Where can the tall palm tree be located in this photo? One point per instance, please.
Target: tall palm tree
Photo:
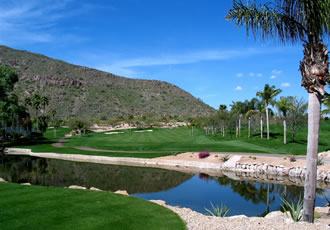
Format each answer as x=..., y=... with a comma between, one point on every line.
x=305, y=21
x=251, y=106
x=261, y=109
x=222, y=115
x=267, y=97
x=284, y=106
x=239, y=108
x=326, y=103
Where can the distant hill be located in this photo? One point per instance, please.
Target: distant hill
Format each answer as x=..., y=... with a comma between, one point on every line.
x=89, y=93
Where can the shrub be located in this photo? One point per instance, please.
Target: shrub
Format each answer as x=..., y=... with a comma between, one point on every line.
x=204, y=154
x=293, y=159
x=216, y=211
x=294, y=209
x=320, y=161
x=225, y=158
x=317, y=215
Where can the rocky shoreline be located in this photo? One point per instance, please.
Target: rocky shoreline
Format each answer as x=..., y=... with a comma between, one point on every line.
x=237, y=167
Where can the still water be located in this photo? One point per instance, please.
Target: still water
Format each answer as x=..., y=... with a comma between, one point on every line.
x=178, y=189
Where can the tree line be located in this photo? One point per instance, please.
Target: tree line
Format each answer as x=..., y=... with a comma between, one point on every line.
x=31, y=115
x=254, y=112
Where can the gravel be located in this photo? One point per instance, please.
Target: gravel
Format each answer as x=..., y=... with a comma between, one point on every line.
x=198, y=221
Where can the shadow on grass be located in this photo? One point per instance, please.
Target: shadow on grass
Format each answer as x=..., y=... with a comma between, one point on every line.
x=29, y=141
x=303, y=142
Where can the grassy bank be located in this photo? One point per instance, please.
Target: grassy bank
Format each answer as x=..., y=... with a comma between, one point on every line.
x=161, y=142
x=36, y=207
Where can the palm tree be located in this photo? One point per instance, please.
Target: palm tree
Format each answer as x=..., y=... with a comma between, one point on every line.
x=267, y=97
x=261, y=109
x=283, y=106
x=305, y=21
x=326, y=103
x=238, y=108
x=43, y=101
x=222, y=115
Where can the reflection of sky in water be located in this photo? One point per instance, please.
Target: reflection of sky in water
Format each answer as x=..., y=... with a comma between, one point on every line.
x=197, y=195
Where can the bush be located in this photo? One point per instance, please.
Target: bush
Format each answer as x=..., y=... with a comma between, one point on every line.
x=320, y=161
x=293, y=159
x=216, y=211
x=204, y=154
x=294, y=209
x=225, y=158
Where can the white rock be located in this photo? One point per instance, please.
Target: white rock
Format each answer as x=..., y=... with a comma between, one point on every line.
x=77, y=187
x=26, y=184
x=122, y=192
x=2, y=180
x=95, y=189
x=231, y=163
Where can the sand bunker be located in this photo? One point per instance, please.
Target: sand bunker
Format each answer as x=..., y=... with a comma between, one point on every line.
x=143, y=131
x=110, y=133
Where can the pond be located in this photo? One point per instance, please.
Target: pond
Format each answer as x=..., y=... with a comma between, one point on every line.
x=249, y=198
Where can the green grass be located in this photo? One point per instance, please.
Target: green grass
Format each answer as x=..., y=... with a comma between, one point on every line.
x=168, y=141
x=35, y=207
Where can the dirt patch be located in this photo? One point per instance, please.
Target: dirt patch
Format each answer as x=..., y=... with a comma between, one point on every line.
x=59, y=143
x=254, y=158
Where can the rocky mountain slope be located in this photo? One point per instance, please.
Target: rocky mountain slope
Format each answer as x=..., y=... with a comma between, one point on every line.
x=89, y=93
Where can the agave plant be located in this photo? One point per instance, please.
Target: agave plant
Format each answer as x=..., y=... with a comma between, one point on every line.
x=216, y=211
x=294, y=209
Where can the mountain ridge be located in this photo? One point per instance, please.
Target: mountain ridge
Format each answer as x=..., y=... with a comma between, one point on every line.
x=78, y=91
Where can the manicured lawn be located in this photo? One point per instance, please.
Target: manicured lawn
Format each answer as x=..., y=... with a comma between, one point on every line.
x=168, y=141
x=36, y=207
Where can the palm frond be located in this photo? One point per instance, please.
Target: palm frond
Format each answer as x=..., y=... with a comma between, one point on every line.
x=288, y=20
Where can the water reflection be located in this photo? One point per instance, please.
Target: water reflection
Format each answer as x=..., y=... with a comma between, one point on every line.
x=250, y=198
x=50, y=172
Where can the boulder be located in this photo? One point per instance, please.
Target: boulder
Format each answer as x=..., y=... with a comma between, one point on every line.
x=95, y=189
x=77, y=187
x=122, y=192
x=26, y=184
x=160, y=202
x=2, y=180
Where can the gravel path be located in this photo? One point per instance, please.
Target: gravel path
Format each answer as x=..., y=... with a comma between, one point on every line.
x=198, y=221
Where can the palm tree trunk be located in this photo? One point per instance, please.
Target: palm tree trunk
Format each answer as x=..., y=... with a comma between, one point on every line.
x=261, y=127
x=249, y=127
x=314, y=115
x=284, y=130
x=267, y=120
x=239, y=126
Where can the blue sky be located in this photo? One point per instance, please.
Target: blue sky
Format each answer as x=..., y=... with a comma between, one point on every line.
x=185, y=42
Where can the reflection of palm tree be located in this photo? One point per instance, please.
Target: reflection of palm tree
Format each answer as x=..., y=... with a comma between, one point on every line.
x=248, y=190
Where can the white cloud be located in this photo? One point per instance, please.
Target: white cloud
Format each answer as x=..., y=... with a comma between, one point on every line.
x=252, y=74
x=277, y=72
x=36, y=20
x=272, y=77
x=238, y=88
x=259, y=74
x=285, y=84
x=126, y=65
x=239, y=75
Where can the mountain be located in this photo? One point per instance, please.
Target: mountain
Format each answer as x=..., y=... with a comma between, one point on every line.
x=89, y=93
